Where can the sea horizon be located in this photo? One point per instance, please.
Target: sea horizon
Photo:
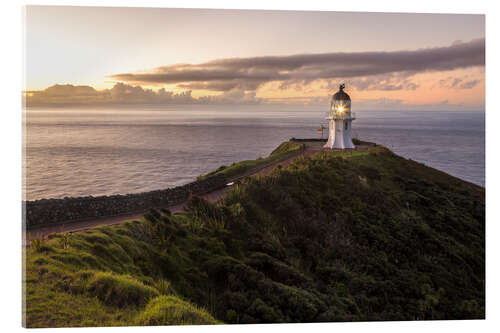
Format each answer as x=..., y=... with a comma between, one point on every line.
x=74, y=152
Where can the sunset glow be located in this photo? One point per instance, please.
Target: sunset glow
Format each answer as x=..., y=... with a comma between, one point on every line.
x=91, y=55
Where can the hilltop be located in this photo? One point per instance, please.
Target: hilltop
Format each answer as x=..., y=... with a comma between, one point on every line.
x=334, y=236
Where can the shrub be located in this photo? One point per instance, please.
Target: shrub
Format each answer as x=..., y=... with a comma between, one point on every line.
x=36, y=242
x=232, y=316
x=370, y=172
x=166, y=211
x=264, y=312
x=163, y=287
x=64, y=240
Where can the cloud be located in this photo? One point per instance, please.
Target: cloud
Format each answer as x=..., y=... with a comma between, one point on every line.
x=399, y=104
x=458, y=83
x=385, y=82
x=469, y=84
x=251, y=73
x=309, y=76
x=455, y=82
x=121, y=93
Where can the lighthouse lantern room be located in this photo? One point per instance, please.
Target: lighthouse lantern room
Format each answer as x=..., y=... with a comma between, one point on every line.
x=340, y=120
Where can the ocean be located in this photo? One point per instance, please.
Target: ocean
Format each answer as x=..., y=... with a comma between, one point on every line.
x=81, y=152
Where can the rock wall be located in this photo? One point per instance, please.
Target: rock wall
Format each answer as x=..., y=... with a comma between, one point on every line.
x=354, y=140
x=308, y=140
x=56, y=211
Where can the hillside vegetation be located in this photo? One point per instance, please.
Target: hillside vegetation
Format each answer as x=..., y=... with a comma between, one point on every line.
x=286, y=149
x=332, y=237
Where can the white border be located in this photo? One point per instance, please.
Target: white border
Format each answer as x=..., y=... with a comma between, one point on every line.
x=11, y=85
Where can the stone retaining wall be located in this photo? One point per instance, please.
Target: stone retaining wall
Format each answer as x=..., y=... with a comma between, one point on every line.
x=308, y=140
x=354, y=140
x=55, y=211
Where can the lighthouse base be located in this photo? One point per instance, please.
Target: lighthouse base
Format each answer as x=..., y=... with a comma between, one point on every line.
x=340, y=136
x=338, y=149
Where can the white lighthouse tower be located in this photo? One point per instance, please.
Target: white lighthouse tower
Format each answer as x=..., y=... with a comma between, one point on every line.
x=340, y=118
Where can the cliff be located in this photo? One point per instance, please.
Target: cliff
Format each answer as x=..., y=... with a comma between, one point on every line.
x=336, y=236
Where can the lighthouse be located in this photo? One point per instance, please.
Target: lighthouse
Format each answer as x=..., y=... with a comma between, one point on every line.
x=340, y=120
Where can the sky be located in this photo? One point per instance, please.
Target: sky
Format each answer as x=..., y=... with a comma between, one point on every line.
x=113, y=56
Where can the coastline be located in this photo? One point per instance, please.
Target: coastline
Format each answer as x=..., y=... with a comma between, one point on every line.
x=45, y=216
x=91, y=211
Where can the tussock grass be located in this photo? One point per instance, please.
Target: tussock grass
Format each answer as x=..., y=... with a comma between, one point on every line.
x=163, y=287
x=107, y=274
x=120, y=290
x=170, y=310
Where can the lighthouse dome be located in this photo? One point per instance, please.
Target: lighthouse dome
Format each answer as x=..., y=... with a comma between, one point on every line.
x=341, y=102
x=341, y=95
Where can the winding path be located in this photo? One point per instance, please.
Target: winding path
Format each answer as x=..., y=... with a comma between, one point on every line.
x=213, y=196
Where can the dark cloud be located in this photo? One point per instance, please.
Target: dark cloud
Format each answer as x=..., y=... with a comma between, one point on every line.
x=127, y=94
x=455, y=82
x=250, y=73
x=458, y=83
x=469, y=84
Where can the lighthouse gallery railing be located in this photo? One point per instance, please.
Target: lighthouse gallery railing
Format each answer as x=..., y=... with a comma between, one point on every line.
x=338, y=115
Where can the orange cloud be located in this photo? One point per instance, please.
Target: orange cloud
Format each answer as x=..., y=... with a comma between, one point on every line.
x=70, y=95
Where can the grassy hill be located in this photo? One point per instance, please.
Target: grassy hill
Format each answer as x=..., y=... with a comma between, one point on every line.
x=332, y=237
x=284, y=150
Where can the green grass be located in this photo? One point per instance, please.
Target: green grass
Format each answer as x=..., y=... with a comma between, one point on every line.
x=170, y=310
x=240, y=168
x=102, y=277
x=120, y=290
x=337, y=236
x=49, y=307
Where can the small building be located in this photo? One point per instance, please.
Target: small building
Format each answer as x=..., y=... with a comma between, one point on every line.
x=340, y=120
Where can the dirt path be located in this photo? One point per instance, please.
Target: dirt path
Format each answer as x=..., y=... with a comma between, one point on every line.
x=44, y=231
x=213, y=196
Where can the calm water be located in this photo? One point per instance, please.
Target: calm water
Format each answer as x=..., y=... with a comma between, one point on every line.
x=102, y=152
